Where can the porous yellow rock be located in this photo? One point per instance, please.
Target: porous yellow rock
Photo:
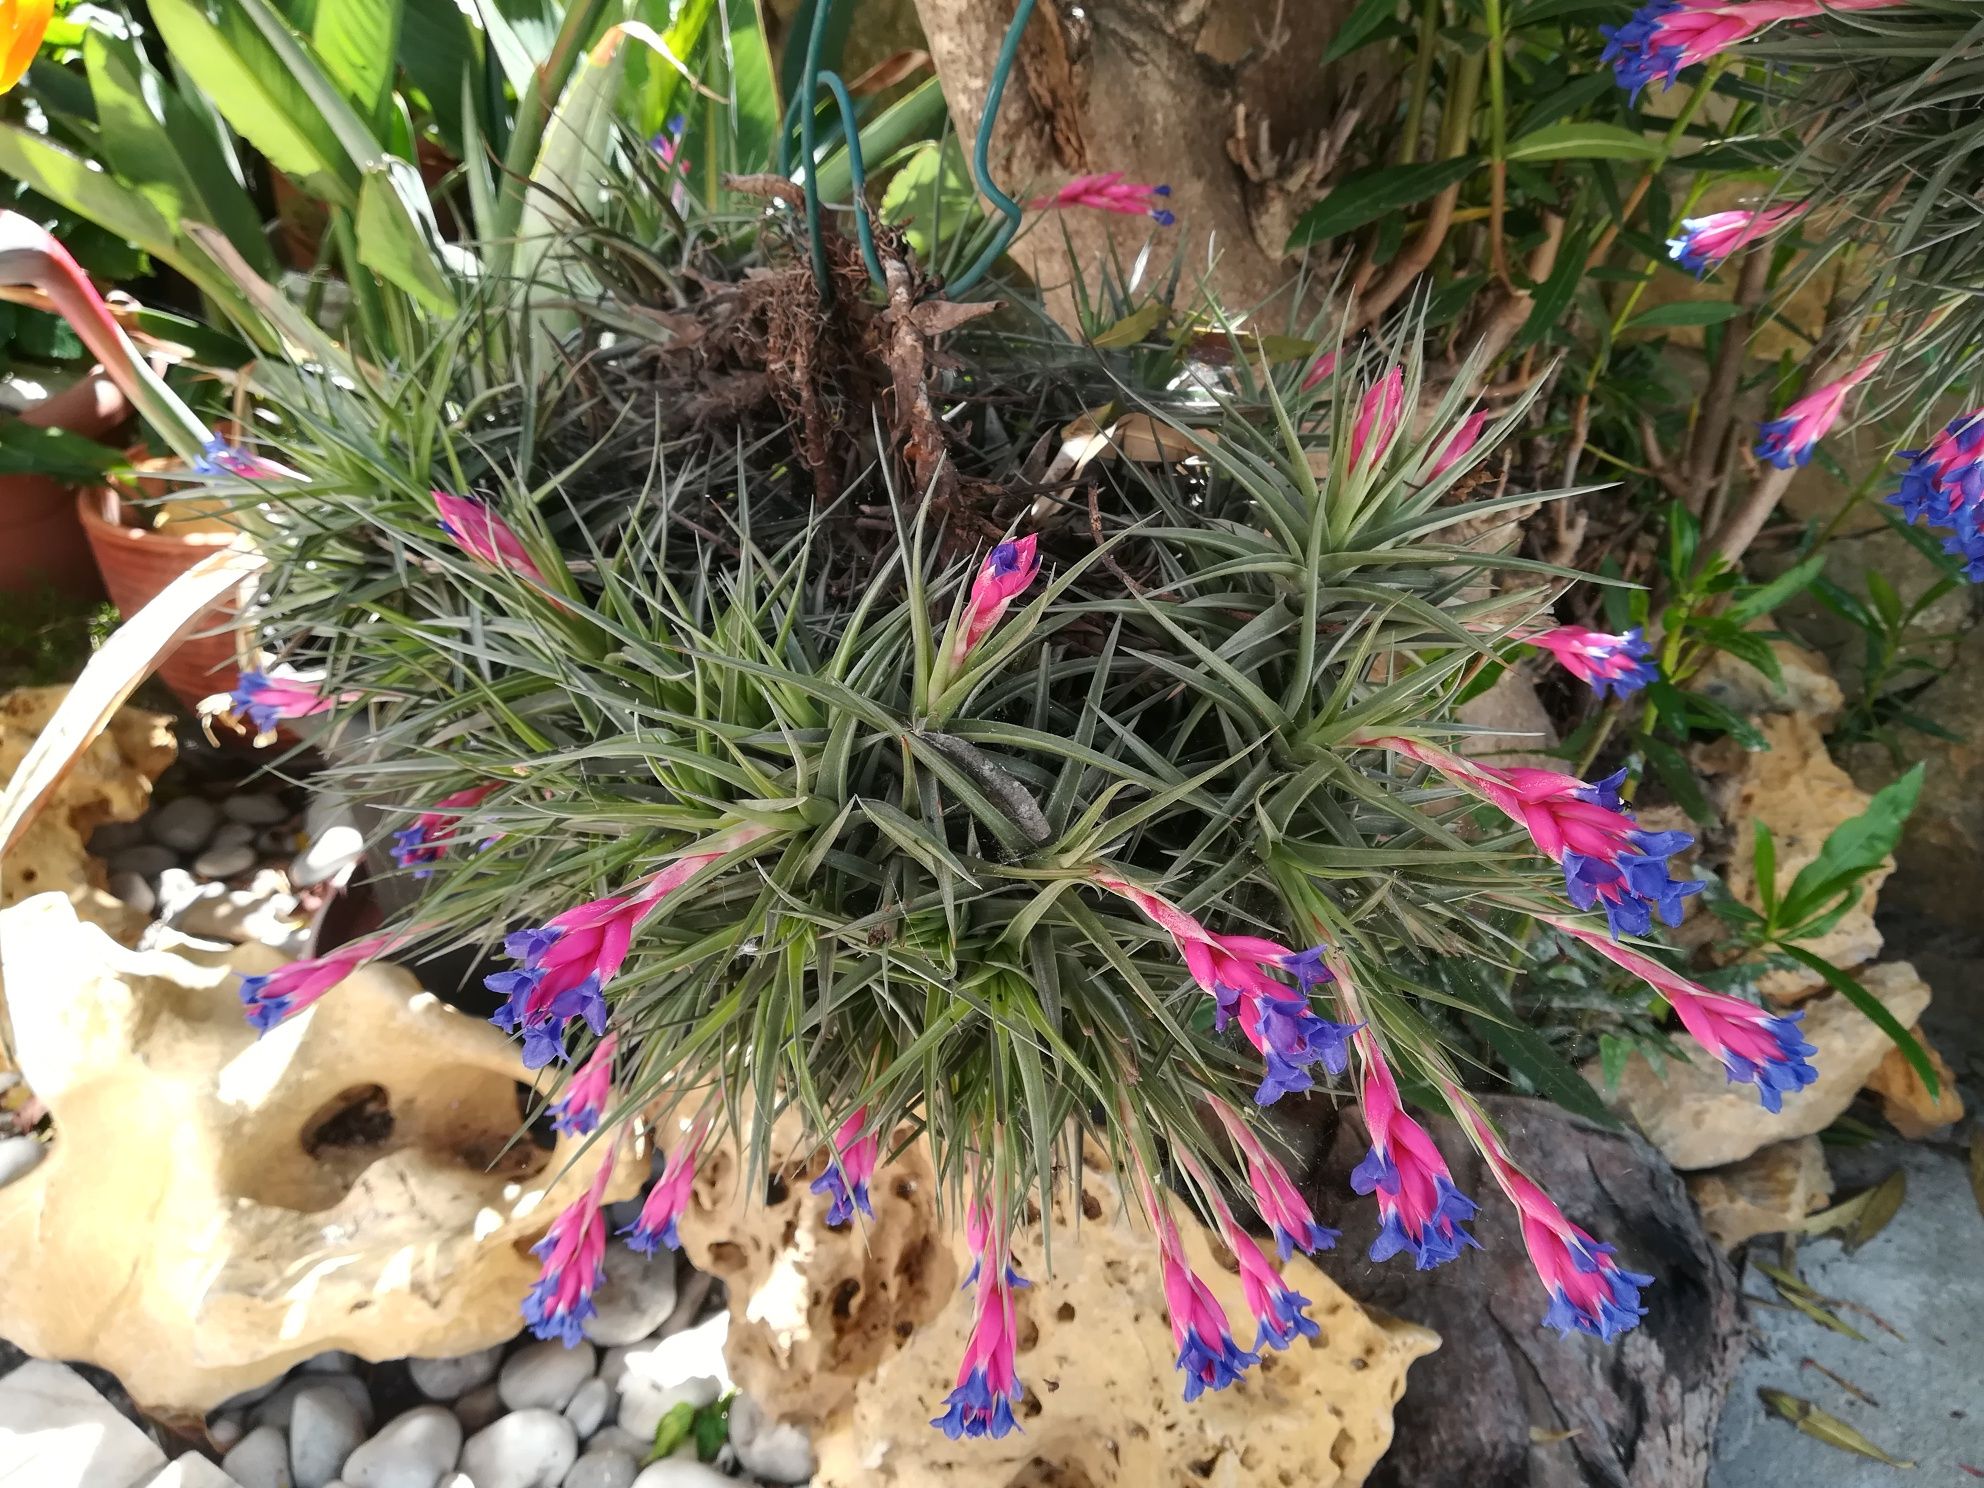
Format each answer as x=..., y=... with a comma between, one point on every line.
x=110, y=781
x=215, y=1208
x=1104, y=1406
x=813, y=1309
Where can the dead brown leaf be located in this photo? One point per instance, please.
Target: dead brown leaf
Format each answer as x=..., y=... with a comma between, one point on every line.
x=1823, y=1426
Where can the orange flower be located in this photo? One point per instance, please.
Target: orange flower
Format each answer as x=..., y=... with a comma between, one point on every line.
x=22, y=24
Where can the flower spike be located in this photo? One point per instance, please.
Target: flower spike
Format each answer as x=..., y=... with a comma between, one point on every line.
x=1789, y=439
x=1943, y=486
x=668, y=1200
x=1109, y=192
x=1008, y=569
x=1706, y=242
x=273, y=996
x=1665, y=36
x=1237, y=971
x=988, y=1385
x=1378, y=416
x=266, y=700
x=846, y=1178
x=568, y=963
x=1756, y=1046
x=425, y=842
x=578, y=1110
x=1614, y=664
x=1419, y=1208
x=1584, y=828
x=1276, y=1198
x=1207, y=1354
x=1460, y=443
x=484, y=536
x=1589, y=1291
x=574, y=1256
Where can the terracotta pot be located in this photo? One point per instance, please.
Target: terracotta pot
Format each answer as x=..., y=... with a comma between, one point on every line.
x=137, y=563
x=41, y=542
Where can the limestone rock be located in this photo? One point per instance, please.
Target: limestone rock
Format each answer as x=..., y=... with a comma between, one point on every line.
x=1103, y=1407
x=1516, y=727
x=1698, y=1119
x=111, y=781
x=1808, y=688
x=1801, y=795
x=216, y=1208
x=1906, y=1101
x=813, y=1309
x=1765, y=1194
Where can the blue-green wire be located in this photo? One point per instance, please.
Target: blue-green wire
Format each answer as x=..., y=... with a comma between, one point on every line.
x=809, y=90
x=857, y=174
x=980, y=170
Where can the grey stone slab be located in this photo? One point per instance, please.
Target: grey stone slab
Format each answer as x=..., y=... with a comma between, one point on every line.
x=1920, y=1275
x=56, y=1431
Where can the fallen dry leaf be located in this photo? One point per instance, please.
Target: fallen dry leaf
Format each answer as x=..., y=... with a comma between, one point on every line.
x=1823, y=1426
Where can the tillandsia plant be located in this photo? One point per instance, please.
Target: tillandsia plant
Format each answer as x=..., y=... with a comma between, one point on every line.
x=823, y=695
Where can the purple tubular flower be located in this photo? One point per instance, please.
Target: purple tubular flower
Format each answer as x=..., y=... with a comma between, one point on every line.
x=1943, y=486
x=846, y=1178
x=574, y=1256
x=1608, y=664
x=1419, y=1208
x=1790, y=439
x=265, y=701
x=1291, y=1036
x=668, y=1200
x=578, y=1110
x=988, y=1385
x=270, y=997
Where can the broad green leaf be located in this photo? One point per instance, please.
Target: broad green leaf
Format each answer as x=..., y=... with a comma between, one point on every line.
x=1363, y=24
x=1684, y=313
x=657, y=78
x=1854, y=848
x=1763, y=862
x=1132, y=328
x=152, y=141
x=1753, y=604
x=75, y=185
x=397, y=238
x=1876, y=1011
x=673, y=1429
x=932, y=194
x=1585, y=139
x=1364, y=196
x=438, y=48
x=358, y=43
x=917, y=116
x=227, y=55
x=754, y=109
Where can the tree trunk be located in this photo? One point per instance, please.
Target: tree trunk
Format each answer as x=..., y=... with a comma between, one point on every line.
x=1224, y=102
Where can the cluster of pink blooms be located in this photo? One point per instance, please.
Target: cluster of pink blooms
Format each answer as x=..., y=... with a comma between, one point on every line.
x=1664, y=36
x=1268, y=988
x=1108, y=191
x=1705, y=242
x=1943, y=486
x=1604, y=662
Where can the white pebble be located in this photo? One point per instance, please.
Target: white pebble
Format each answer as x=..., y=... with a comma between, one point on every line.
x=675, y=1472
x=330, y=1361
x=479, y=1407
x=685, y=1355
x=545, y=1374
x=643, y=1402
x=224, y=1431
x=183, y=825
x=325, y=1427
x=275, y=1411
x=774, y=1450
x=450, y=1379
x=587, y=1409
x=225, y=862
x=332, y=844
x=636, y=1297
x=255, y=809
x=603, y=1468
x=525, y=1449
x=619, y=1439
x=20, y=1155
x=260, y=1460
x=415, y=1450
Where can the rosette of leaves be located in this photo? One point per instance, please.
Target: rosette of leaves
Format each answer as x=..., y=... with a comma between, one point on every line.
x=758, y=512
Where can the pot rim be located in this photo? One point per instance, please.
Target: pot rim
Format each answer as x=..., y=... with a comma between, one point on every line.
x=89, y=507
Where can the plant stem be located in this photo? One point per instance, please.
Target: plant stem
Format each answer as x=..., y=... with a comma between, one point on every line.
x=1422, y=77
x=1497, y=139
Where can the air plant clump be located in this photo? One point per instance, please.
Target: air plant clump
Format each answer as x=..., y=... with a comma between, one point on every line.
x=796, y=734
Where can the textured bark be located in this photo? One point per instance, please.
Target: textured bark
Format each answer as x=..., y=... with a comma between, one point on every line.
x=1176, y=91
x=1642, y=1409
